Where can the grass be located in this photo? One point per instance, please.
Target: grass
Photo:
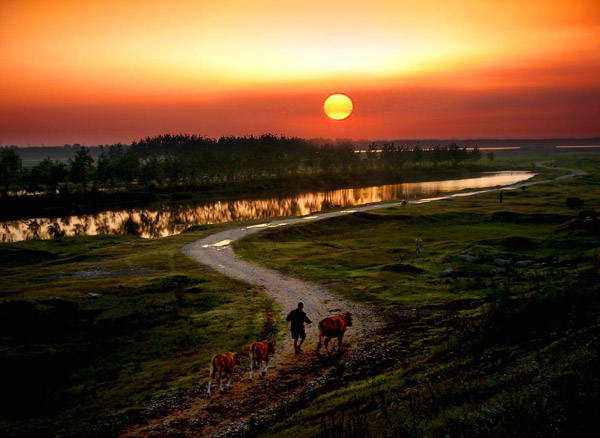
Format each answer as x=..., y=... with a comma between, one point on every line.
x=473, y=356
x=71, y=360
x=489, y=351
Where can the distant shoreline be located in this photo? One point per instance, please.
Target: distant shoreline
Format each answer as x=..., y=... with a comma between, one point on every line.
x=33, y=154
x=91, y=202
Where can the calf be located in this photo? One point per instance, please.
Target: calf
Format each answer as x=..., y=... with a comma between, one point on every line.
x=223, y=364
x=259, y=352
x=333, y=327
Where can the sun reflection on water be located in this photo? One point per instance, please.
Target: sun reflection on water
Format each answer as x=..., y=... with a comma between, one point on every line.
x=173, y=219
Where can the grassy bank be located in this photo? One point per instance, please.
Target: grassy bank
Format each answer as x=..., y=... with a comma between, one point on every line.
x=484, y=351
x=96, y=326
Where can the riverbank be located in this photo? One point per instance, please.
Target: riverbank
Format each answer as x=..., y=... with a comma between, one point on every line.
x=95, y=201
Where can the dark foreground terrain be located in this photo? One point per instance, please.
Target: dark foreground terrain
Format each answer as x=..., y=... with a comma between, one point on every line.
x=101, y=335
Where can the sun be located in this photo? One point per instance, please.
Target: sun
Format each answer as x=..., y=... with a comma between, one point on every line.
x=338, y=106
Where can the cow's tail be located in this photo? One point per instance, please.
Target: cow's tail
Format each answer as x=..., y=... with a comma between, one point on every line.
x=213, y=366
x=320, y=335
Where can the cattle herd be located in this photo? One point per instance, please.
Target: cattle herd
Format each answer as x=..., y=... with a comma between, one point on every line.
x=222, y=364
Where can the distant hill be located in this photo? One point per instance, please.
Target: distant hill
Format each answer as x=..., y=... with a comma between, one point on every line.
x=525, y=143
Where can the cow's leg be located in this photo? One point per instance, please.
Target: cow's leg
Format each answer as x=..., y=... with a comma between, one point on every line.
x=327, y=338
x=220, y=379
x=251, y=365
x=229, y=376
x=340, y=343
x=264, y=373
x=210, y=378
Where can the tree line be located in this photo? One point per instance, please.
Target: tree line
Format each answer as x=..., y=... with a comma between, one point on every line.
x=182, y=159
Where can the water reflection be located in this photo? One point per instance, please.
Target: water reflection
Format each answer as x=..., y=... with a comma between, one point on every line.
x=173, y=219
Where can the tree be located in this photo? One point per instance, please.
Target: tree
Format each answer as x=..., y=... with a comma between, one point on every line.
x=81, y=167
x=150, y=171
x=127, y=166
x=58, y=175
x=490, y=156
x=46, y=175
x=10, y=170
x=476, y=154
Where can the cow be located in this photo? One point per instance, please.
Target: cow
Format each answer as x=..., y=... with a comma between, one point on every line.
x=223, y=363
x=418, y=244
x=333, y=327
x=259, y=352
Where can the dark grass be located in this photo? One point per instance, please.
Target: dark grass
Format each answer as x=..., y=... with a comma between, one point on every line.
x=492, y=351
x=69, y=361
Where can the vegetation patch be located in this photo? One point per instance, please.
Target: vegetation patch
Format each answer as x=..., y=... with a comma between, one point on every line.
x=78, y=348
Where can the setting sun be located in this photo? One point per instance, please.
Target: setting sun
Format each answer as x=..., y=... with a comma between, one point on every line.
x=338, y=106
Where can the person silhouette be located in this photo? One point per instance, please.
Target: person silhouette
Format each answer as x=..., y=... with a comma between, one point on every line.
x=297, y=317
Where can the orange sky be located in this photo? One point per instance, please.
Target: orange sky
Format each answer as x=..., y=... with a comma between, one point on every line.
x=107, y=71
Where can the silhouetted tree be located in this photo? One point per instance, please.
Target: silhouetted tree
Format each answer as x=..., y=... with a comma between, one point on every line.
x=46, y=175
x=10, y=170
x=81, y=167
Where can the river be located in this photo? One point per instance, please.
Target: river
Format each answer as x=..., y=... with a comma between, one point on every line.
x=172, y=219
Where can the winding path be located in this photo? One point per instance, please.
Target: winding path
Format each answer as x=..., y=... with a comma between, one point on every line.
x=216, y=251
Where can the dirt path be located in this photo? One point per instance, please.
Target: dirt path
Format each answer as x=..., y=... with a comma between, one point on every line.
x=199, y=416
x=288, y=372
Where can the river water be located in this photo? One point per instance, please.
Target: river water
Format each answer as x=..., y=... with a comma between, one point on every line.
x=173, y=219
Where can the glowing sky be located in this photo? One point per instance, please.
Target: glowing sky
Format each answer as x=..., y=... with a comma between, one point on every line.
x=107, y=71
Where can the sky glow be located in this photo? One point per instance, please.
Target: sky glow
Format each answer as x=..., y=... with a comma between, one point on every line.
x=107, y=71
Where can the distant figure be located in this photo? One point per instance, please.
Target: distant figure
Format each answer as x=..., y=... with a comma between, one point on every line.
x=223, y=363
x=333, y=327
x=297, y=317
x=500, y=197
x=418, y=244
x=523, y=188
x=259, y=352
x=404, y=203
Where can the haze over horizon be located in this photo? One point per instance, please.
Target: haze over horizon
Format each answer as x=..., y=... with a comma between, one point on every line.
x=117, y=71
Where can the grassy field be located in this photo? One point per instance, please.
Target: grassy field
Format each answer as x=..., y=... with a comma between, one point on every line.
x=98, y=326
x=486, y=351
x=69, y=358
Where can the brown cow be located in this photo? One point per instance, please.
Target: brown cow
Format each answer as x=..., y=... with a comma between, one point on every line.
x=333, y=327
x=259, y=353
x=223, y=363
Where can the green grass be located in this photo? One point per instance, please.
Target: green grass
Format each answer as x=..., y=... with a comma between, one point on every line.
x=161, y=316
x=151, y=334
x=490, y=352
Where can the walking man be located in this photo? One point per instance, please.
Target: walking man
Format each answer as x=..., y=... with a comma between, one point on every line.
x=297, y=317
